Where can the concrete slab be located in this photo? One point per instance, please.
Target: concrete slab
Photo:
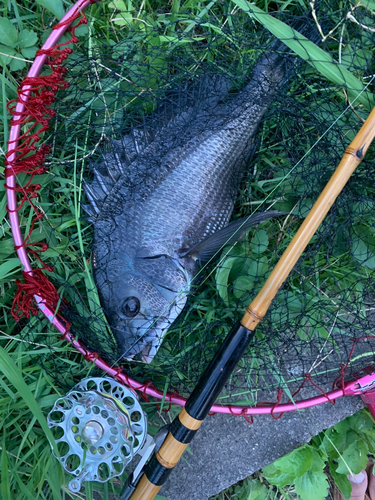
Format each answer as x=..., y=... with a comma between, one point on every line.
x=227, y=449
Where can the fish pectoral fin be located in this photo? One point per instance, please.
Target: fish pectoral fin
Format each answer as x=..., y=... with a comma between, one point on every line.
x=210, y=246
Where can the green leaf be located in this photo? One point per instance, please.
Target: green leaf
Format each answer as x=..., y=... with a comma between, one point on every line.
x=317, y=463
x=322, y=332
x=355, y=55
x=341, y=481
x=342, y=427
x=222, y=275
x=256, y=490
x=362, y=253
x=276, y=477
x=240, y=266
x=312, y=486
x=270, y=470
x=297, y=462
x=5, y=52
x=8, y=33
x=360, y=422
x=242, y=285
x=27, y=495
x=29, y=52
x=302, y=334
x=370, y=4
x=17, y=64
x=331, y=442
x=259, y=242
x=348, y=439
x=54, y=6
x=303, y=207
x=124, y=15
x=175, y=40
x=27, y=39
x=82, y=30
x=123, y=18
x=307, y=50
x=353, y=459
x=258, y=267
x=370, y=437
x=118, y=5
x=52, y=478
x=292, y=302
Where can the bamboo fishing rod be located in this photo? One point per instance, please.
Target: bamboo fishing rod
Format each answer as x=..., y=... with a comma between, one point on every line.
x=186, y=424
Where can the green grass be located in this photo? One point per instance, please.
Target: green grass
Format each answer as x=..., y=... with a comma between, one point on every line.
x=27, y=390
x=254, y=487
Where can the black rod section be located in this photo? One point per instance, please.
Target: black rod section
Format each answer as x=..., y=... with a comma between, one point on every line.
x=202, y=398
x=217, y=373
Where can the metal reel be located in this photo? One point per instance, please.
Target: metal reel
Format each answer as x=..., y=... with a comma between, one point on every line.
x=98, y=427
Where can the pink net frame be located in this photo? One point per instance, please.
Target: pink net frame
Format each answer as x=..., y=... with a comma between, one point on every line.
x=37, y=293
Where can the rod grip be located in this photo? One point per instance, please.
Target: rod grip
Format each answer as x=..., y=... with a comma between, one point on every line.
x=162, y=463
x=186, y=424
x=145, y=490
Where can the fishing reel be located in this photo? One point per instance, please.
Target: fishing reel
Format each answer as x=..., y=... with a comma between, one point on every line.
x=99, y=426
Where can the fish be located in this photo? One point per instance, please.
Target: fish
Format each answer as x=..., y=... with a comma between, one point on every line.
x=162, y=198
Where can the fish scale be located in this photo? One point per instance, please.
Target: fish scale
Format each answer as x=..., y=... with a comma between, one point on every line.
x=165, y=203
x=212, y=187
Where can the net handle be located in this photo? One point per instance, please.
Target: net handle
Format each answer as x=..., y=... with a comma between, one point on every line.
x=352, y=157
x=191, y=417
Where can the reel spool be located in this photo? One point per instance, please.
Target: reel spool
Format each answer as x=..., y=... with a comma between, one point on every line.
x=99, y=426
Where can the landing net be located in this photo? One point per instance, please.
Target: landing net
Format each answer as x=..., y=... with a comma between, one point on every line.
x=156, y=66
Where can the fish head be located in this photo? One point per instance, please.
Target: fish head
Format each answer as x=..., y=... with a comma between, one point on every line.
x=141, y=300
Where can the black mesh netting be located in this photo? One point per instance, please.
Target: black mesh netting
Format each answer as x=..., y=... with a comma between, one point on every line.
x=163, y=87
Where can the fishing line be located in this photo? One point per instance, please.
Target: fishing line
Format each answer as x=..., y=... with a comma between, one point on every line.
x=187, y=289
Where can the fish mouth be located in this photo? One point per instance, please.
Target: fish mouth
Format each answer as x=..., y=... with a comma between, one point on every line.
x=142, y=340
x=146, y=348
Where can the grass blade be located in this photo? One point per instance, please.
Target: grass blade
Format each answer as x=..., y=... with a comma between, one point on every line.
x=311, y=53
x=5, y=491
x=13, y=374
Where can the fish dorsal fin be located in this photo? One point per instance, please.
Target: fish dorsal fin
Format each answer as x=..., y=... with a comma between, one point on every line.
x=170, y=113
x=114, y=158
x=97, y=191
x=168, y=120
x=211, y=245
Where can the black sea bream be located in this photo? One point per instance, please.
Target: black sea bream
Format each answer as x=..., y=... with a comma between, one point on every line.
x=161, y=202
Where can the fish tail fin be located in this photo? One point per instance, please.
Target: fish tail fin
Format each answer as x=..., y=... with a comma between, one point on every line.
x=279, y=63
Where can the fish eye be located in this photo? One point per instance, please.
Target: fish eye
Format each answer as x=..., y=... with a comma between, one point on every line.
x=131, y=307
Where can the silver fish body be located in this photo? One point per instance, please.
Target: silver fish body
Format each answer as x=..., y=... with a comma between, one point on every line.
x=161, y=203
